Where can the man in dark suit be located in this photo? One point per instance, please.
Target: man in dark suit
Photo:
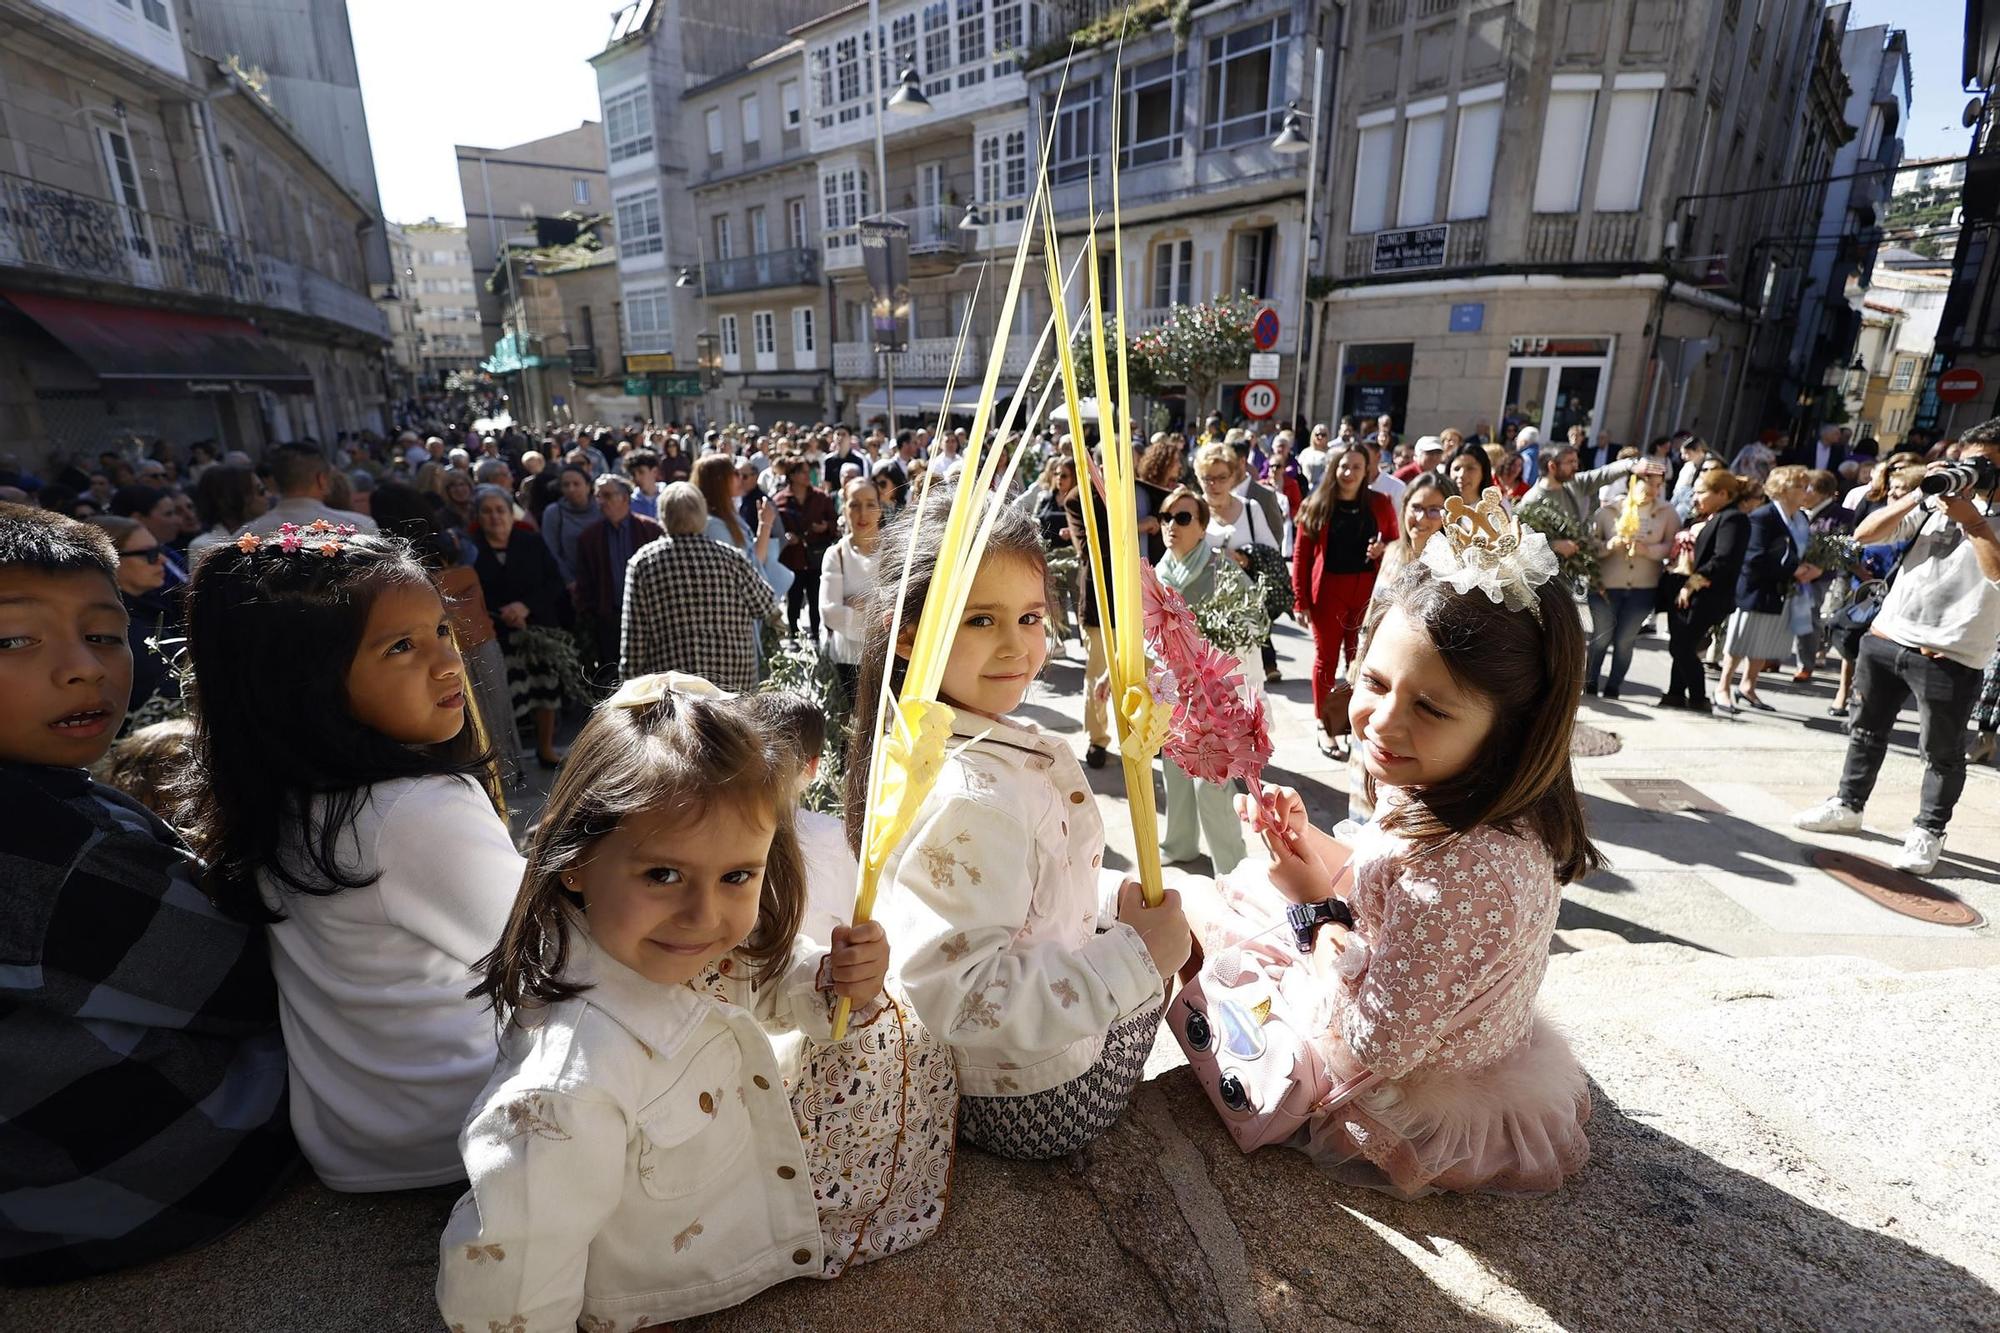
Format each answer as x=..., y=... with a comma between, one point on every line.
x=1824, y=453
x=603, y=550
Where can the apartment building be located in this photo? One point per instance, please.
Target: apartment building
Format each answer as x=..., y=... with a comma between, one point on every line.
x=656, y=51
x=1564, y=216
x=767, y=313
x=1900, y=314
x=399, y=306
x=1210, y=208
x=440, y=280
x=175, y=262
x=509, y=191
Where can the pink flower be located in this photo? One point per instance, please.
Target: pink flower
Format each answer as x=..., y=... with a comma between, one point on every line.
x=289, y=542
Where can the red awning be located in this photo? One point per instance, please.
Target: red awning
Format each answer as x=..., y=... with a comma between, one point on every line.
x=142, y=347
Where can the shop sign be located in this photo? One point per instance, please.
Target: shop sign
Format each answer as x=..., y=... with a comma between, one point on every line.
x=1558, y=347
x=1410, y=248
x=648, y=362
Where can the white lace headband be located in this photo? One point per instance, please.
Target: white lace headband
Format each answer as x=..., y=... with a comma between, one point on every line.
x=1483, y=547
x=645, y=691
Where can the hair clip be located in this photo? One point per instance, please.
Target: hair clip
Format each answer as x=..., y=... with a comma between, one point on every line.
x=1482, y=546
x=646, y=691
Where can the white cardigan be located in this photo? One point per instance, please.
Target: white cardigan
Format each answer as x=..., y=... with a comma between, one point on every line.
x=845, y=572
x=386, y=1051
x=634, y=1159
x=992, y=912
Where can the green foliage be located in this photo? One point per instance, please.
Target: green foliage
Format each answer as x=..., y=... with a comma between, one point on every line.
x=1138, y=370
x=1125, y=23
x=1580, y=569
x=1198, y=344
x=799, y=669
x=1233, y=618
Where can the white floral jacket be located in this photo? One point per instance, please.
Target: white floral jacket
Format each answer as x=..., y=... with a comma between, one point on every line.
x=992, y=910
x=634, y=1159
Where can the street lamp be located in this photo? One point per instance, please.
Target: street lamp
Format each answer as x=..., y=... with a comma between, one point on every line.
x=1290, y=140
x=909, y=99
x=685, y=277
x=973, y=221
x=1290, y=143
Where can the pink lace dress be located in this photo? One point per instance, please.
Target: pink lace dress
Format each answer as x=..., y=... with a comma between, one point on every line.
x=1499, y=1104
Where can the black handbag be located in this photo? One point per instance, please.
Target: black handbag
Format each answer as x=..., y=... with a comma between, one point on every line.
x=1272, y=576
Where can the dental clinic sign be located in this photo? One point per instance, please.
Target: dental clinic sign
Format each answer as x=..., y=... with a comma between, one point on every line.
x=1410, y=249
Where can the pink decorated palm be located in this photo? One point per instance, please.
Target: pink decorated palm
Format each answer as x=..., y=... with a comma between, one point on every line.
x=1219, y=729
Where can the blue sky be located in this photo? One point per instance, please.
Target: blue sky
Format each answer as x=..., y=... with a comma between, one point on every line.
x=438, y=72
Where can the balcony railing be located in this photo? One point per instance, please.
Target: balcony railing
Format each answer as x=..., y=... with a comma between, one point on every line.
x=60, y=231
x=773, y=268
x=1552, y=238
x=1613, y=236
x=930, y=359
x=933, y=232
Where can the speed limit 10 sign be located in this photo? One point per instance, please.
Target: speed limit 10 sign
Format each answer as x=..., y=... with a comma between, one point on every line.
x=1259, y=399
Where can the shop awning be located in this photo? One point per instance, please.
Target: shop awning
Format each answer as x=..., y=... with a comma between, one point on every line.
x=145, y=348
x=929, y=398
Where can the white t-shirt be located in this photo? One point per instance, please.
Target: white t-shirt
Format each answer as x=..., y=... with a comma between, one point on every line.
x=1392, y=487
x=1941, y=599
x=387, y=1054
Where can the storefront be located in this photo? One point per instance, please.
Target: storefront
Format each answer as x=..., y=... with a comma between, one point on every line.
x=1374, y=380
x=1555, y=383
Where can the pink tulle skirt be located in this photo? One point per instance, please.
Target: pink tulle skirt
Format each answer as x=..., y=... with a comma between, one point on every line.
x=1513, y=1126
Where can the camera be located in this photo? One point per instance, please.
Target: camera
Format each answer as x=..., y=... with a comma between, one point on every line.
x=1971, y=474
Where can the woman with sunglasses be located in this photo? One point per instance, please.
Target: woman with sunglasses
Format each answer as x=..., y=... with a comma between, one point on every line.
x=142, y=577
x=1197, y=811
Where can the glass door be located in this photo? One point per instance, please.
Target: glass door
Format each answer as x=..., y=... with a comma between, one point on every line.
x=1552, y=394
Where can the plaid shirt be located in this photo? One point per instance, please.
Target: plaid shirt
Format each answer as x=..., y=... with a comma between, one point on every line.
x=142, y=1077
x=692, y=604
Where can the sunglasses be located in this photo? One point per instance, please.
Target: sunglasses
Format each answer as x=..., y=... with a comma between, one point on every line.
x=151, y=555
x=1180, y=518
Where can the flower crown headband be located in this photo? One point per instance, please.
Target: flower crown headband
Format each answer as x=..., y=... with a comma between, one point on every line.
x=1483, y=547
x=319, y=536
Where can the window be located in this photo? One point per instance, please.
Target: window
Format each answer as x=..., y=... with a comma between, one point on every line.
x=788, y=104
x=1473, y=157
x=1251, y=260
x=1423, y=157
x=1246, y=81
x=760, y=232
x=580, y=189
x=648, y=326
x=725, y=238
x=971, y=42
x=753, y=121
x=764, y=339
x=1628, y=140
x=1370, y=209
x=1173, y=273
x=1003, y=175
x=795, y=223
x=124, y=176
x=1906, y=375
x=628, y=125
x=846, y=69
x=805, y=336
x=732, y=348
x=902, y=46
x=1152, y=115
x=712, y=119
x=843, y=195
x=1010, y=35
x=639, y=228
x=1565, y=137
x=937, y=46
x=156, y=14
x=1075, y=134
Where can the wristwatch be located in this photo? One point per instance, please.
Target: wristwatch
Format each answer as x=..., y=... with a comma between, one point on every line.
x=1307, y=918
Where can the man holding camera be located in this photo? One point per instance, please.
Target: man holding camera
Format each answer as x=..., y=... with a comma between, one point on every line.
x=1932, y=638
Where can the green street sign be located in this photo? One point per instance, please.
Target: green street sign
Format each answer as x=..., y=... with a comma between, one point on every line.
x=681, y=384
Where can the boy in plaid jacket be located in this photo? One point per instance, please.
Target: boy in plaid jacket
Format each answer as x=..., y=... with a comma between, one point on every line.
x=142, y=1077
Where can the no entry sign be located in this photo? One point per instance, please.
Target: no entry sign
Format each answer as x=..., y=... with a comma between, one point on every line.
x=1259, y=399
x=1961, y=385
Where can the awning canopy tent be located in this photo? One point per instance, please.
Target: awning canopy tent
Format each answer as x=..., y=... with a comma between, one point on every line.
x=930, y=399
x=138, y=347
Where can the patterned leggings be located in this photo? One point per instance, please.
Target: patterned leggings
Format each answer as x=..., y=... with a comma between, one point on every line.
x=1058, y=1122
x=1986, y=713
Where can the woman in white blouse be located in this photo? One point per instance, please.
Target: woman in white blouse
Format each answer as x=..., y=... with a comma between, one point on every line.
x=847, y=574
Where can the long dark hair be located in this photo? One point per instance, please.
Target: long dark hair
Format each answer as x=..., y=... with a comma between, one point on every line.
x=1015, y=536
x=1477, y=453
x=222, y=496
x=1315, y=513
x=271, y=634
x=1530, y=669
x=681, y=751
x=404, y=511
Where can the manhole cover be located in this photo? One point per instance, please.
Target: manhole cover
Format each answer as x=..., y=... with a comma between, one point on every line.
x=1666, y=795
x=1591, y=742
x=1897, y=891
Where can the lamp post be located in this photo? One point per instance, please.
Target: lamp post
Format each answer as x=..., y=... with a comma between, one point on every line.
x=973, y=221
x=1291, y=142
x=907, y=100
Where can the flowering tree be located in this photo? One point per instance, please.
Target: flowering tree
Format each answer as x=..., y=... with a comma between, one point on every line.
x=1198, y=345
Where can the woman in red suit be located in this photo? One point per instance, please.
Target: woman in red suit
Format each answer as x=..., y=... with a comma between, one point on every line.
x=1342, y=530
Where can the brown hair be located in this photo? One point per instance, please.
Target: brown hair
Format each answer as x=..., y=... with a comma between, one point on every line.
x=1180, y=493
x=146, y=764
x=684, y=752
x=1529, y=668
x=1721, y=480
x=1015, y=536
x=1163, y=463
x=1318, y=508
x=715, y=477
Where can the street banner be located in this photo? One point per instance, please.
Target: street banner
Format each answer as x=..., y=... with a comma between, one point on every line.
x=885, y=259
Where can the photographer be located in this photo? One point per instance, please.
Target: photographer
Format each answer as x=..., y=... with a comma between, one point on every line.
x=1932, y=638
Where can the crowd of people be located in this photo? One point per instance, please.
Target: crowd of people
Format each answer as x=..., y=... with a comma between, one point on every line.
x=321, y=668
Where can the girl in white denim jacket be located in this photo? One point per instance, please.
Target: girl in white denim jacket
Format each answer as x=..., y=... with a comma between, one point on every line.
x=1048, y=1004
x=635, y=1158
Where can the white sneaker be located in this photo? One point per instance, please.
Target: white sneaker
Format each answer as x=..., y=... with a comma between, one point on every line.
x=1829, y=816
x=1920, y=853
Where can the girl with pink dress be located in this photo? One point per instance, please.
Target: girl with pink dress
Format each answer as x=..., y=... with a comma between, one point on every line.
x=1462, y=712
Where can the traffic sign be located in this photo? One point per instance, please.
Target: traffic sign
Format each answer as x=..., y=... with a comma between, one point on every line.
x=1264, y=365
x=1264, y=332
x=1960, y=385
x=1259, y=398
